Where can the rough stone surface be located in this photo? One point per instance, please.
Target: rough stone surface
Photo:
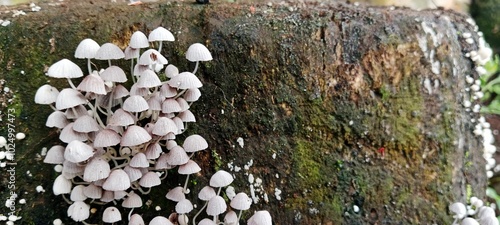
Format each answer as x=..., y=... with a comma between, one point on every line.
x=335, y=92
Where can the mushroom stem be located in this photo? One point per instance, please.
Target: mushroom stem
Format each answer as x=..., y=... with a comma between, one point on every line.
x=198, y=213
x=196, y=67
x=132, y=69
x=185, y=185
x=53, y=107
x=88, y=66
x=109, y=62
x=130, y=213
x=159, y=47
x=239, y=215
x=96, y=116
x=65, y=199
x=71, y=83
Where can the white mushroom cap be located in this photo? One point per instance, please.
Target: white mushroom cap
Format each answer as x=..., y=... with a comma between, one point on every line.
x=176, y=194
x=133, y=173
x=170, y=105
x=135, y=103
x=61, y=185
x=206, y=193
x=184, y=206
x=120, y=91
x=458, y=209
x=465, y=221
x=139, y=40
x=46, y=95
x=77, y=151
x=69, y=98
x=166, y=91
x=187, y=116
x=485, y=212
x=75, y=112
x=92, y=191
x=177, y=156
x=206, y=221
x=64, y=68
x=148, y=79
x=198, y=52
x=71, y=170
x=260, y=218
x=183, y=103
x=117, y=180
x=77, y=193
x=185, y=80
x=131, y=53
x=153, y=151
x=152, y=56
x=121, y=118
x=135, y=135
x=241, y=201
x=195, y=143
x=56, y=119
x=136, y=219
x=109, y=51
x=114, y=74
x=79, y=211
x=162, y=163
x=163, y=126
x=221, y=178
x=489, y=221
x=139, y=161
x=106, y=138
x=55, y=155
x=87, y=49
x=132, y=201
x=231, y=218
x=68, y=135
x=155, y=101
x=107, y=196
x=111, y=215
x=160, y=220
x=161, y=34
x=216, y=206
x=171, y=71
x=96, y=169
x=191, y=167
x=192, y=94
x=85, y=124
x=92, y=83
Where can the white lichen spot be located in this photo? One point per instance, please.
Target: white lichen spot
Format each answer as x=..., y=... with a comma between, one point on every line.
x=250, y=178
x=230, y=192
x=355, y=208
x=277, y=194
x=427, y=85
x=240, y=142
x=274, y=156
x=39, y=189
x=157, y=208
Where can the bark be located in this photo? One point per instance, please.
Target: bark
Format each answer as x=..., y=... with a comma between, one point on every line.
x=331, y=101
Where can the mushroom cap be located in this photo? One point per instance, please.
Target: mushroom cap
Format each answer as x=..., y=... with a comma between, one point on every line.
x=198, y=52
x=107, y=196
x=70, y=169
x=64, y=68
x=135, y=103
x=231, y=218
x=162, y=163
x=85, y=124
x=185, y=80
x=465, y=221
x=171, y=71
x=153, y=151
x=260, y=218
x=139, y=161
x=166, y=91
x=458, y=209
x=75, y=112
x=106, y=138
x=206, y=221
x=187, y=116
x=121, y=118
x=92, y=83
x=206, y=193
x=96, y=169
x=111, y=215
x=46, y=95
x=195, y=143
x=161, y=34
x=135, y=135
x=56, y=119
x=183, y=103
x=160, y=220
x=221, y=178
x=170, y=105
x=77, y=151
x=191, y=167
x=92, y=191
x=61, y=185
x=163, y=126
x=68, y=135
x=133, y=173
x=109, y=51
x=77, y=193
x=192, y=94
x=136, y=219
x=176, y=194
x=79, y=211
x=150, y=179
x=69, y=98
x=241, y=201
x=120, y=91
x=216, y=206
x=152, y=56
x=132, y=201
x=86, y=49
x=55, y=155
x=183, y=206
x=117, y=180
x=114, y=74
x=138, y=40
x=148, y=79
x=177, y=156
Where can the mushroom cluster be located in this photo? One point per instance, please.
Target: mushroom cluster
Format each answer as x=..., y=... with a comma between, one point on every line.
x=474, y=214
x=119, y=142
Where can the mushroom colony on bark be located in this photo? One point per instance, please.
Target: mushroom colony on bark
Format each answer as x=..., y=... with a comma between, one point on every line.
x=119, y=142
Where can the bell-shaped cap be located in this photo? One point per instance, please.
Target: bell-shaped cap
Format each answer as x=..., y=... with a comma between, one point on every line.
x=135, y=135
x=231, y=218
x=111, y=215
x=138, y=40
x=77, y=193
x=185, y=80
x=57, y=119
x=77, y=151
x=458, y=209
x=187, y=116
x=92, y=191
x=114, y=74
x=64, y=68
x=166, y=91
x=177, y=156
x=117, y=180
x=194, y=143
x=133, y=173
x=139, y=161
x=68, y=135
x=121, y=118
x=198, y=52
x=135, y=103
x=160, y=220
x=241, y=201
x=106, y=138
x=85, y=124
x=150, y=179
x=163, y=126
x=109, y=51
x=131, y=53
x=136, y=219
x=92, y=83
x=260, y=218
x=86, y=49
x=216, y=206
x=221, y=178
x=46, y=95
x=79, y=211
x=207, y=221
x=62, y=185
x=192, y=94
x=161, y=34
x=152, y=56
x=55, y=155
x=148, y=79
x=206, y=193
x=191, y=167
x=176, y=194
x=69, y=98
x=170, y=105
x=171, y=71
x=133, y=200
x=184, y=206
x=96, y=169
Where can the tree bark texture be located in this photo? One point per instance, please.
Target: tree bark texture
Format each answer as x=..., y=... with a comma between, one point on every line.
x=338, y=105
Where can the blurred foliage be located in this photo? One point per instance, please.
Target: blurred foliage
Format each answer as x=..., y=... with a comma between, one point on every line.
x=485, y=13
x=490, y=83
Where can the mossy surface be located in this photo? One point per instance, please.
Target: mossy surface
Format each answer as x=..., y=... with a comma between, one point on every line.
x=328, y=100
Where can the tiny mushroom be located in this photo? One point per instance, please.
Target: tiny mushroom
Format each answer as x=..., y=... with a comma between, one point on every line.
x=198, y=52
x=111, y=215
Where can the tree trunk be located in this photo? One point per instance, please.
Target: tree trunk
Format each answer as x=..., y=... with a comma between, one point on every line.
x=338, y=106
